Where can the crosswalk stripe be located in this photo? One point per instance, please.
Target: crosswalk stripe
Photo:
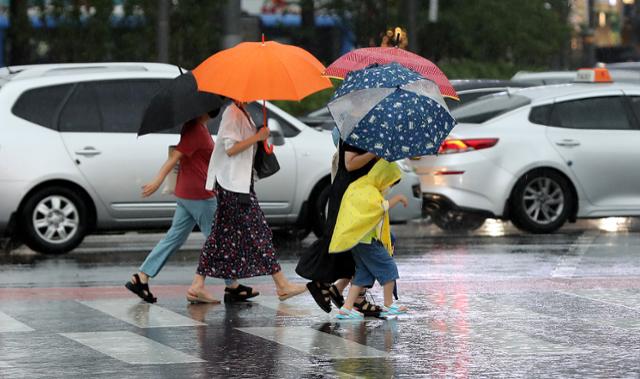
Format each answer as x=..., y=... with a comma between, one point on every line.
x=10, y=324
x=131, y=348
x=313, y=342
x=140, y=314
x=290, y=307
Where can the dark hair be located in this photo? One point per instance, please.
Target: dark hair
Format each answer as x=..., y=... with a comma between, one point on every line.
x=214, y=113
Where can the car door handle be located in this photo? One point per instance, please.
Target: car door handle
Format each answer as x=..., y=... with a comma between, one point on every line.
x=88, y=151
x=568, y=143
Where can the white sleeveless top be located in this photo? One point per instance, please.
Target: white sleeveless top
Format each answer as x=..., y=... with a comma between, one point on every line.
x=232, y=173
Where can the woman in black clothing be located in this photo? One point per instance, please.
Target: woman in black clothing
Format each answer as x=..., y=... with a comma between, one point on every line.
x=331, y=273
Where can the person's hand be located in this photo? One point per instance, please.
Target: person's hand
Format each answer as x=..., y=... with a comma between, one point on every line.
x=263, y=133
x=401, y=199
x=150, y=188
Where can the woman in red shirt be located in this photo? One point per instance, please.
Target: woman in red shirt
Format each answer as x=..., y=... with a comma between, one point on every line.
x=195, y=205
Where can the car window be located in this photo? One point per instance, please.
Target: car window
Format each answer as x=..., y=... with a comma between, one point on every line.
x=488, y=107
x=255, y=110
x=635, y=105
x=40, y=105
x=80, y=113
x=122, y=103
x=608, y=113
x=541, y=114
x=470, y=96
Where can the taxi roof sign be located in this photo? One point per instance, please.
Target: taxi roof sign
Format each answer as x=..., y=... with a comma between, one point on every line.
x=593, y=75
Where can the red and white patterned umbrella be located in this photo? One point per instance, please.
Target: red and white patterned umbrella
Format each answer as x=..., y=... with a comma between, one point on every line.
x=361, y=58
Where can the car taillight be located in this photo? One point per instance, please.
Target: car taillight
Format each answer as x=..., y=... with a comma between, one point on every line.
x=452, y=146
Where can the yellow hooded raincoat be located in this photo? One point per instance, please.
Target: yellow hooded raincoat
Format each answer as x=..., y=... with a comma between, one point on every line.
x=362, y=209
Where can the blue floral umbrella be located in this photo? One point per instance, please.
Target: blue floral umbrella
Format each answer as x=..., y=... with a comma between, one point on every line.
x=392, y=112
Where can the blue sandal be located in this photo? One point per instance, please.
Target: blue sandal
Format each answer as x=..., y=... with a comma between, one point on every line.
x=349, y=314
x=393, y=310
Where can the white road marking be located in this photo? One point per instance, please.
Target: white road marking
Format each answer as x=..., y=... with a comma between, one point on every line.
x=597, y=300
x=131, y=348
x=570, y=262
x=316, y=343
x=10, y=324
x=292, y=307
x=142, y=315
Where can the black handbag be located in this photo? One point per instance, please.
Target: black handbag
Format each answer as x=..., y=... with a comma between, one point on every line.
x=264, y=163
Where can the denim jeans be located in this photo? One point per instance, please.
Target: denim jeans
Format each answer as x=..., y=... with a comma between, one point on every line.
x=188, y=214
x=373, y=262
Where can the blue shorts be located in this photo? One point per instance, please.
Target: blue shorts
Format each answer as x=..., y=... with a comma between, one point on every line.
x=373, y=262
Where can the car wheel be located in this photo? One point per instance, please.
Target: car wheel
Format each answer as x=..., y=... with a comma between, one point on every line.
x=541, y=202
x=457, y=221
x=319, y=217
x=53, y=220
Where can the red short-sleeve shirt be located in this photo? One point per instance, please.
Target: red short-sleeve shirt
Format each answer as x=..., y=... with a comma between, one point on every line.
x=196, y=146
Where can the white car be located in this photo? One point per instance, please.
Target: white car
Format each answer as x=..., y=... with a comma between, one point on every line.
x=72, y=163
x=539, y=156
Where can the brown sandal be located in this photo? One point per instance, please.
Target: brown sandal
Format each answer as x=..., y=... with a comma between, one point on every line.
x=367, y=308
x=199, y=298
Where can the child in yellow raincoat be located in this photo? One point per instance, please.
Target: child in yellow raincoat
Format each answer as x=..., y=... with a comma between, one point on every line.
x=363, y=227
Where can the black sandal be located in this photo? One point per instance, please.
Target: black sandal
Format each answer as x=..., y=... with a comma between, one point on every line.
x=321, y=294
x=367, y=308
x=240, y=293
x=336, y=297
x=141, y=289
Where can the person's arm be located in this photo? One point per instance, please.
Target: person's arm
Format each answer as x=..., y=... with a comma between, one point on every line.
x=239, y=147
x=398, y=199
x=354, y=161
x=149, y=188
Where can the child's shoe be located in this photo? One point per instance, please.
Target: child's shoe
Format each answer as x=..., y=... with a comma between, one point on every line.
x=349, y=314
x=393, y=310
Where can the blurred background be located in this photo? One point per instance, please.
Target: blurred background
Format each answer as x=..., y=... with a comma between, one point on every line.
x=466, y=38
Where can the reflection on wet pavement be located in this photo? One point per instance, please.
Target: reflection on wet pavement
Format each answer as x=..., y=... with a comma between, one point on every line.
x=494, y=303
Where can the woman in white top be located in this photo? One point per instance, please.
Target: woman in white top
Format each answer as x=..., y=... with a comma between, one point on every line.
x=240, y=244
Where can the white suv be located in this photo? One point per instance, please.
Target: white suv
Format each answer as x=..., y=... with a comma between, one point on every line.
x=72, y=165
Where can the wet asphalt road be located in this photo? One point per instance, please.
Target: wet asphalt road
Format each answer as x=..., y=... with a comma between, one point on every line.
x=493, y=303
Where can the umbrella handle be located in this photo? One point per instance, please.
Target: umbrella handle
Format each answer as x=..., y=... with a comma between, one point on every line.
x=267, y=147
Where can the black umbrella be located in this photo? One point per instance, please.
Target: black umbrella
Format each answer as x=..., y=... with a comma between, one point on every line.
x=177, y=102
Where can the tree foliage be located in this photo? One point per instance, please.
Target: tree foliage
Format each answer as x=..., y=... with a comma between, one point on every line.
x=87, y=31
x=528, y=33
x=474, y=37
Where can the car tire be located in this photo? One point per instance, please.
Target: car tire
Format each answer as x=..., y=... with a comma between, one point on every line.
x=541, y=202
x=319, y=215
x=53, y=220
x=457, y=221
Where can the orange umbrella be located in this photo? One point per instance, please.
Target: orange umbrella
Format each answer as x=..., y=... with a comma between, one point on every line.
x=262, y=71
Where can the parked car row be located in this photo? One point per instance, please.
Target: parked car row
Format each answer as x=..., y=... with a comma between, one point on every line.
x=73, y=164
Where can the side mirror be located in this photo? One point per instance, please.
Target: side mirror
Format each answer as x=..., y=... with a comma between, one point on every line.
x=277, y=135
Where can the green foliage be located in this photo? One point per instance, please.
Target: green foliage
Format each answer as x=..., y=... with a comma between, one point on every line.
x=309, y=103
x=524, y=33
x=194, y=28
x=368, y=18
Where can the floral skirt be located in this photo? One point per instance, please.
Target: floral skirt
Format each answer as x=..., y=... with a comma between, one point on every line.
x=241, y=243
